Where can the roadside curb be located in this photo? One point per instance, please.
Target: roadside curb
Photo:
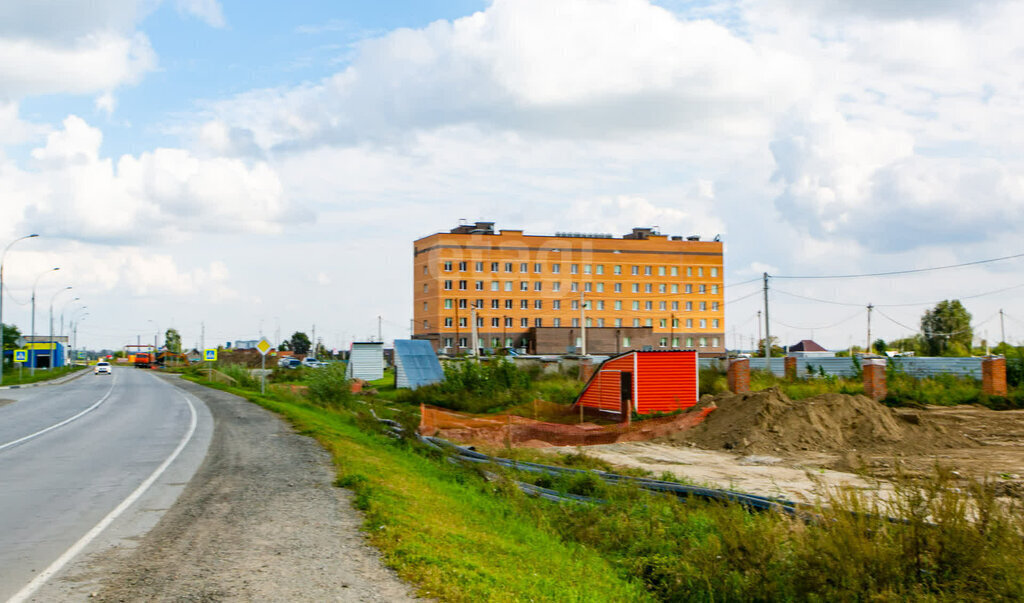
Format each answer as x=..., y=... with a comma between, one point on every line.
x=57, y=381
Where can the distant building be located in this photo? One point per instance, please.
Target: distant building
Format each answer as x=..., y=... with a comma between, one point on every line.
x=644, y=290
x=809, y=349
x=245, y=344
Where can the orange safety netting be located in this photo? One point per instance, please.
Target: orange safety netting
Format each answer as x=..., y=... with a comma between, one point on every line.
x=514, y=430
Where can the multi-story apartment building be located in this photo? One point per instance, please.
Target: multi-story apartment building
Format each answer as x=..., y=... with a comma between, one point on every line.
x=555, y=294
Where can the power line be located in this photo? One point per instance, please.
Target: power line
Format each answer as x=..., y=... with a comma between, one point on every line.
x=817, y=299
x=958, y=332
x=755, y=279
x=897, y=272
x=821, y=328
x=732, y=301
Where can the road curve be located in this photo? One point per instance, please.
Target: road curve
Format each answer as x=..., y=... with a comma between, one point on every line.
x=87, y=455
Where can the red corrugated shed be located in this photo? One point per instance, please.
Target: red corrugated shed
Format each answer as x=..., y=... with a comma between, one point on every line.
x=647, y=382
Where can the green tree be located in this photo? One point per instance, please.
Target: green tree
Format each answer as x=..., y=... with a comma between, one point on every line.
x=300, y=343
x=879, y=346
x=172, y=340
x=776, y=348
x=947, y=329
x=11, y=333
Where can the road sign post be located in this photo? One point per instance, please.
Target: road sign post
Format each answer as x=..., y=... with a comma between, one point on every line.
x=263, y=346
x=20, y=357
x=210, y=356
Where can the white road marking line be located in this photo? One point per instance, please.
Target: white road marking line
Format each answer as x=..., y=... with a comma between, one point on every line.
x=65, y=421
x=56, y=566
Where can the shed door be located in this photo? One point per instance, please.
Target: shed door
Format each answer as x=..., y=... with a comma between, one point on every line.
x=626, y=392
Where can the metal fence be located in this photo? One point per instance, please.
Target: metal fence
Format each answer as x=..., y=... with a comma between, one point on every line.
x=916, y=366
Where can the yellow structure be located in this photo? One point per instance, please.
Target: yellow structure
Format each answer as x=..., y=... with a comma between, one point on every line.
x=537, y=292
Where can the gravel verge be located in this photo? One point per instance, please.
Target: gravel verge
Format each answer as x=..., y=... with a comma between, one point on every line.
x=259, y=521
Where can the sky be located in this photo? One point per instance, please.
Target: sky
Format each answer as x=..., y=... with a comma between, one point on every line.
x=236, y=169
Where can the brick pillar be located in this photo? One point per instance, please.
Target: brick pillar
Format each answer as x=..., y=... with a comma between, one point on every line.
x=587, y=368
x=874, y=378
x=739, y=375
x=993, y=376
x=791, y=368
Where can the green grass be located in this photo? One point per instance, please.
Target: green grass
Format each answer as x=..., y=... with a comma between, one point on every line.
x=24, y=376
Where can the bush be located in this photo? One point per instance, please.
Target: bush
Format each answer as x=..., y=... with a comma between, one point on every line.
x=328, y=386
x=476, y=387
x=240, y=373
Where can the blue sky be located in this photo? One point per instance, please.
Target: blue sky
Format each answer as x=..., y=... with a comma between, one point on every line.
x=240, y=165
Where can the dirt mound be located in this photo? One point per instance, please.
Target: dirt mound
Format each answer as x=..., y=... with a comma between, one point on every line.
x=768, y=421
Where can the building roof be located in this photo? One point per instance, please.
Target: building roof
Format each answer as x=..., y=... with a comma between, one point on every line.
x=806, y=345
x=416, y=363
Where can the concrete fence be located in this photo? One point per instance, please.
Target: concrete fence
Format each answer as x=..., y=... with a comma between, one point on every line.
x=915, y=366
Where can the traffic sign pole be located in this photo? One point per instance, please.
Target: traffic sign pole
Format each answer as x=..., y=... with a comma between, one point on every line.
x=263, y=346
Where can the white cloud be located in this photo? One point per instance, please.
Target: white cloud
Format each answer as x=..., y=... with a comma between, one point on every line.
x=106, y=103
x=208, y=11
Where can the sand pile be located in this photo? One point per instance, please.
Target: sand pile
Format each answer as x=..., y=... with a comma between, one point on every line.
x=768, y=421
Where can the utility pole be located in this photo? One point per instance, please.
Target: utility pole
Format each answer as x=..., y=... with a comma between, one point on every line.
x=767, y=328
x=1002, y=327
x=202, y=337
x=380, y=329
x=313, y=342
x=474, y=336
x=868, y=347
x=753, y=345
x=583, y=323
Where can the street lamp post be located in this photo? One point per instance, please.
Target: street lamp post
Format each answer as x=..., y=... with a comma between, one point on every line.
x=53, y=348
x=74, y=329
x=155, y=335
x=2, y=257
x=32, y=350
x=63, y=308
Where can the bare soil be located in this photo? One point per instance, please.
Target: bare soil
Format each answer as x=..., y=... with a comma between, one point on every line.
x=765, y=443
x=260, y=521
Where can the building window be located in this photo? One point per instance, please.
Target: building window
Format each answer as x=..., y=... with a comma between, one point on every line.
x=714, y=342
x=675, y=306
x=479, y=304
x=462, y=266
x=675, y=271
x=524, y=304
x=688, y=289
x=661, y=271
x=537, y=286
x=617, y=269
x=538, y=322
x=424, y=287
x=663, y=342
x=599, y=269
x=618, y=304
x=537, y=268
x=508, y=321
x=576, y=322
x=495, y=322
x=714, y=289
x=508, y=341
x=714, y=323
x=714, y=272
x=675, y=323
x=714, y=306
x=462, y=342
x=574, y=287
x=447, y=285
x=586, y=287
x=495, y=286
x=700, y=272
x=647, y=271
x=479, y=321
x=648, y=322
x=556, y=304
x=661, y=305
x=424, y=306
x=689, y=272
x=675, y=342
x=538, y=304
x=574, y=268
x=636, y=288
x=703, y=342
x=448, y=341
x=661, y=287
x=635, y=270
x=575, y=304
x=618, y=287
x=647, y=288
x=600, y=287
x=495, y=304
x=600, y=304
x=508, y=266
x=636, y=322
x=586, y=268
x=494, y=266
x=556, y=286
x=689, y=342
x=448, y=321
x=524, y=285
x=524, y=323
x=689, y=306
x=462, y=321
x=447, y=266
x=648, y=305
x=675, y=288
x=703, y=306
x=479, y=285
x=600, y=322
x=462, y=285
x=508, y=285
x=479, y=266
x=447, y=304
x=662, y=323
x=590, y=322
x=462, y=303
x=424, y=268
x=508, y=304
x=703, y=323
x=556, y=322
x=625, y=342
x=636, y=305
x=689, y=323
x=495, y=342
x=556, y=268
x=524, y=267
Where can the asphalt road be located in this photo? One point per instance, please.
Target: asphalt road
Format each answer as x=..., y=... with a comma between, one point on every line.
x=88, y=464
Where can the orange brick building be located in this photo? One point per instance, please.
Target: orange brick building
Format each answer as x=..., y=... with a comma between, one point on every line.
x=539, y=292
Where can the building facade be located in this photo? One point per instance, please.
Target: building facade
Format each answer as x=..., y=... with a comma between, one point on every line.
x=551, y=294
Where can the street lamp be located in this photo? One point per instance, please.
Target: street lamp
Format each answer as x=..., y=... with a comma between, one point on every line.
x=155, y=335
x=32, y=352
x=74, y=325
x=75, y=328
x=53, y=348
x=2, y=257
x=63, y=308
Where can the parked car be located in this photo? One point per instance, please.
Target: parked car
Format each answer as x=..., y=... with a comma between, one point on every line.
x=313, y=362
x=102, y=368
x=289, y=362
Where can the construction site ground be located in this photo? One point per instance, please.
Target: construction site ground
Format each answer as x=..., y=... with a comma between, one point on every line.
x=764, y=443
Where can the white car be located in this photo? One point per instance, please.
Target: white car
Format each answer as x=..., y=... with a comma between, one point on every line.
x=312, y=362
x=102, y=368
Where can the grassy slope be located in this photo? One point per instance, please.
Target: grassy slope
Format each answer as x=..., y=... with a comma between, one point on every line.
x=442, y=529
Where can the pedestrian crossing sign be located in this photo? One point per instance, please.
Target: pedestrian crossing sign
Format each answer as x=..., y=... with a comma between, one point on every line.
x=210, y=355
x=21, y=355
